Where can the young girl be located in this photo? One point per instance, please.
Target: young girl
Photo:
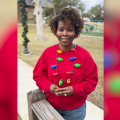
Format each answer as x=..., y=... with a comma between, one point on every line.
x=66, y=72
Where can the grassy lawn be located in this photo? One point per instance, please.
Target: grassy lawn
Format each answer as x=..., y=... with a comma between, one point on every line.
x=99, y=25
x=91, y=34
x=98, y=32
x=18, y=117
x=93, y=45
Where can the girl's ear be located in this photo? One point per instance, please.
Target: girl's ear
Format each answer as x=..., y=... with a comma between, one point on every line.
x=75, y=36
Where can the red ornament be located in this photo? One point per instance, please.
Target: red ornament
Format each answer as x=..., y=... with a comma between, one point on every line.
x=72, y=49
x=55, y=74
x=69, y=73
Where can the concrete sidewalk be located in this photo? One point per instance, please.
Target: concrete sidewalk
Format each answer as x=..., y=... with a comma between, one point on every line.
x=26, y=84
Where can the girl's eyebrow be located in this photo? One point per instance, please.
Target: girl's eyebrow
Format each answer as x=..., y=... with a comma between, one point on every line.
x=60, y=27
x=68, y=27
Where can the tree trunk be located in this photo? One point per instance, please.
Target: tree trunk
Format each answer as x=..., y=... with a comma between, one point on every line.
x=39, y=20
x=54, y=11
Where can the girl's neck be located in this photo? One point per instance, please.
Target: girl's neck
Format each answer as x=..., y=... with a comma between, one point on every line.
x=67, y=48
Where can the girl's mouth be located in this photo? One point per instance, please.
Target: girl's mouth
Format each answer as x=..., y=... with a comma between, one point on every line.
x=64, y=40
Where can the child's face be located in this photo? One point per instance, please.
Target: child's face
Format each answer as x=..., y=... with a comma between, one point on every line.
x=65, y=34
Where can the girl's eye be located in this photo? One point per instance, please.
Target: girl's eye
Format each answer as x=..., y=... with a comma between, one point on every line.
x=60, y=29
x=70, y=30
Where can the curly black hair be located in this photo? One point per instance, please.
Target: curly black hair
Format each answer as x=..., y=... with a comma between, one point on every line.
x=68, y=15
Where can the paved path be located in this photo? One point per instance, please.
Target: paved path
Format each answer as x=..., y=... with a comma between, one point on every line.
x=26, y=84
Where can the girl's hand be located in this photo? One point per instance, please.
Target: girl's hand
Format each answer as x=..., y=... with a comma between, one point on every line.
x=53, y=88
x=66, y=91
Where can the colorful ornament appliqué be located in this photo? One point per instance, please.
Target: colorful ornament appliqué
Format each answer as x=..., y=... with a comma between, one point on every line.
x=77, y=65
x=59, y=51
x=59, y=59
x=72, y=58
x=61, y=82
x=68, y=81
x=55, y=74
x=53, y=66
x=68, y=73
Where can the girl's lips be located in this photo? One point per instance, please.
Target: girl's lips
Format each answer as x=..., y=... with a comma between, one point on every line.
x=64, y=40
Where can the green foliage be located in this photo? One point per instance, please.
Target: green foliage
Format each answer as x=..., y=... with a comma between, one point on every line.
x=77, y=4
x=95, y=13
x=60, y=4
x=24, y=22
x=86, y=15
x=48, y=12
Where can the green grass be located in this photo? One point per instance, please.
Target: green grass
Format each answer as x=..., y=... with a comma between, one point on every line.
x=85, y=26
x=91, y=34
x=18, y=117
x=31, y=21
x=95, y=32
x=92, y=44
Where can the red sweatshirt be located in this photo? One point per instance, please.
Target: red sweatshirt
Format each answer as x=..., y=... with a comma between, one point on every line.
x=84, y=78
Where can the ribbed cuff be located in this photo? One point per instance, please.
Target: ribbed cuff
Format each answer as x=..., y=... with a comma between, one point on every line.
x=48, y=86
x=76, y=90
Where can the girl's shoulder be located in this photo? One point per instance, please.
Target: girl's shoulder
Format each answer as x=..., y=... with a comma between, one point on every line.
x=50, y=49
x=82, y=50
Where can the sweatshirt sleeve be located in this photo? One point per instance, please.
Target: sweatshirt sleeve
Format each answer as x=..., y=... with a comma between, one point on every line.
x=40, y=74
x=90, y=78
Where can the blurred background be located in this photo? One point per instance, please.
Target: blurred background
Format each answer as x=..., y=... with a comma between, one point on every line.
x=92, y=12
x=111, y=60
x=8, y=60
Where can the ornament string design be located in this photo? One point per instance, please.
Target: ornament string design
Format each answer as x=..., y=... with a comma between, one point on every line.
x=72, y=68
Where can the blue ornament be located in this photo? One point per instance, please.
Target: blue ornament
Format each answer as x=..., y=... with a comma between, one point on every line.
x=72, y=58
x=53, y=66
x=23, y=23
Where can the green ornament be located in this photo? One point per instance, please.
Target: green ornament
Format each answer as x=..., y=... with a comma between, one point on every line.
x=77, y=65
x=59, y=59
x=61, y=82
x=114, y=85
x=24, y=13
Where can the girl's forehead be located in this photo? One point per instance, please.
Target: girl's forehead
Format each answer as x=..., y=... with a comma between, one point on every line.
x=62, y=24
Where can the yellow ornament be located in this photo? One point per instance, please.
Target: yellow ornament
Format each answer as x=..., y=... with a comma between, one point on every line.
x=59, y=51
x=68, y=81
x=24, y=26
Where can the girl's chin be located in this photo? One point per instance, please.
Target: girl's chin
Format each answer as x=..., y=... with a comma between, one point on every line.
x=65, y=44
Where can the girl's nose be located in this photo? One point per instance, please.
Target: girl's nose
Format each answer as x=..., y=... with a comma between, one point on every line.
x=64, y=32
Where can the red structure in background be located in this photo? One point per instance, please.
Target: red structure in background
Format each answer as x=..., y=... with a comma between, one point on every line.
x=8, y=73
x=112, y=67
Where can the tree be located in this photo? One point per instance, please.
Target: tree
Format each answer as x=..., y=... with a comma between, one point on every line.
x=39, y=17
x=88, y=15
x=77, y=4
x=39, y=20
x=60, y=4
x=97, y=12
x=48, y=12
